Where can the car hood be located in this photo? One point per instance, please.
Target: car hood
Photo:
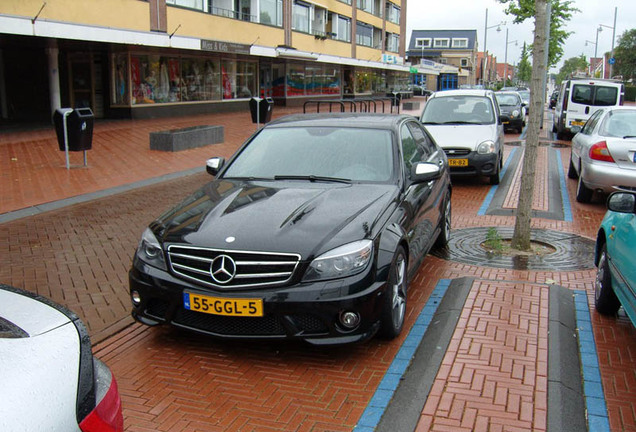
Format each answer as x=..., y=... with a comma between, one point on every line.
x=301, y=217
x=463, y=136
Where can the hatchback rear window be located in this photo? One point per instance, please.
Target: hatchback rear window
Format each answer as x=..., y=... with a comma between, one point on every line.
x=594, y=95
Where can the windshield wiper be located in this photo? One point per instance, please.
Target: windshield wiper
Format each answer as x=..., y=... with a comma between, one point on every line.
x=460, y=122
x=312, y=178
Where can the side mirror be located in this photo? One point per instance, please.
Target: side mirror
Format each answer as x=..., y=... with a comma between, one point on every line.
x=622, y=202
x=425, y=171
x=214, y=165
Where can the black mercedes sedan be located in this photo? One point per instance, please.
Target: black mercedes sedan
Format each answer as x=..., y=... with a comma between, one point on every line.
x=311, y=231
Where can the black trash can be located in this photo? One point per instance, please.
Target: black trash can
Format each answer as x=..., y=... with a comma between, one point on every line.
x=79, y=127
x=263, y=107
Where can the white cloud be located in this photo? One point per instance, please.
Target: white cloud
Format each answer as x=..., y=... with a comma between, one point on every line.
x=471, y=15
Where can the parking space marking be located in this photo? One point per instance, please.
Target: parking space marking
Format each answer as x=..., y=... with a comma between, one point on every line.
x=389, y=384
x=493, y=189
x=596, y=407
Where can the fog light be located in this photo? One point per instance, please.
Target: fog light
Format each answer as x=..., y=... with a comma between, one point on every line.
x=136, y=297
x=349, y=319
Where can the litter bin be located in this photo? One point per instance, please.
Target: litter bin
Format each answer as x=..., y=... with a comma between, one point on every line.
x=79, y=127
x=261, y=109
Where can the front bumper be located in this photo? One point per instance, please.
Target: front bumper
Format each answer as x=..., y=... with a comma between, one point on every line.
x=308, y=312
x=478, y=164
x=607, y=177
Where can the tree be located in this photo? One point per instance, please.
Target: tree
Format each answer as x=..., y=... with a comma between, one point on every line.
x=524, y=69
x=571, y=66
x=562, y=11
x=625, y=55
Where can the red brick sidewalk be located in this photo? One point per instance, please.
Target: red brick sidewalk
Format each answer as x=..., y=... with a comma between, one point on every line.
x=79, y=256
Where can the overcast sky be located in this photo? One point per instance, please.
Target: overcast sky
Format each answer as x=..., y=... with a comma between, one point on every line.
x=471, y=15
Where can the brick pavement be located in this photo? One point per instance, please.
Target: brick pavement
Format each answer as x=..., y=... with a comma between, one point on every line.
x=175, y=381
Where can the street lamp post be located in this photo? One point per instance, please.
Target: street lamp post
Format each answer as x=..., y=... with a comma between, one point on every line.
x=484, y=60
x=600, y=28
x=506, y=57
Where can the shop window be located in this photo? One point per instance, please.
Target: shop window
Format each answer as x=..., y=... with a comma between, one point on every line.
x=295, y=80
x=313, y=80
x=121, y=93
x=331, y=81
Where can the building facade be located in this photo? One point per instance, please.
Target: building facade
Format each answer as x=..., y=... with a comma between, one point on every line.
x=455, y=49
x=153, y=58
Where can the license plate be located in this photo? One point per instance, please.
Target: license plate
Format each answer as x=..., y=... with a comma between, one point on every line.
x=505, y=122
x=577, y=123
x=223, y=306
x=458, y=162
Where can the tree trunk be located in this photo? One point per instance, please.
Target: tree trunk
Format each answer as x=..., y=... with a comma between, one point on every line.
x=521, y=236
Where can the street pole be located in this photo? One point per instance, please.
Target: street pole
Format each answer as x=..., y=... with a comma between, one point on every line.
x=483, y=65
x=506, y=61
x=613, y=35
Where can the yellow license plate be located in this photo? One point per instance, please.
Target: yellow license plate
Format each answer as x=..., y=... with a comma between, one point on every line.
x=458, y=162
x=505, y=122
x=577, y=123
x=223, y=306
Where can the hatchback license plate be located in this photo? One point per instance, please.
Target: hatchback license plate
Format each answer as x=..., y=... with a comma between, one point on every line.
x=223, y=306
x=458, y=162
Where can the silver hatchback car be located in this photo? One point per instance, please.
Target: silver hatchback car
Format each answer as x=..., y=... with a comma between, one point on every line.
x=467, y=124
x=603, y=156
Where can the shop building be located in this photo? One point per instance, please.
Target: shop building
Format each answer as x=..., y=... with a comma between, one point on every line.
x=154, y=58
x=454, y=50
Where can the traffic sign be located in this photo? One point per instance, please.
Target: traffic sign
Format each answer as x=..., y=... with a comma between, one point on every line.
x=612, y=60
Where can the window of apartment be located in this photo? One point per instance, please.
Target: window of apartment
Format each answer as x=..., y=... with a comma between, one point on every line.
x=392, y=42
x=340, y=27
x=319, y=23
x=300, y=18
x=191, y=4
x=441, y=43
x=460, y=43
x=423, y=42
x=345, y=1
x=271, y=12
x=442, y=60
x=392, y=13
x=364, y=34
x=464, y=62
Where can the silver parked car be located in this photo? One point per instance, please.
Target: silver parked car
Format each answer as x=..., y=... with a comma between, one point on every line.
x=467, y=124
x=603, y=156
x=50, y=379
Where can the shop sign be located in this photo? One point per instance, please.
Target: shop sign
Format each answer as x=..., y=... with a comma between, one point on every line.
x=224, y=47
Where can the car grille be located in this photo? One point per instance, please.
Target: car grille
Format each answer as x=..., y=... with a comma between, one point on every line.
x=456, y=151
x=240, y=269
x=268, y=325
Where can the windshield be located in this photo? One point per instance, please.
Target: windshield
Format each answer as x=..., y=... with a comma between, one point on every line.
x=525, y=95
x=458, y=110
x=316, y=153
x=507, y=99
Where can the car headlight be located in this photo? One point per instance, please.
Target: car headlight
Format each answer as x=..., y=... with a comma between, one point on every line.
x=342, y=261
x=149, y=250
x=486, y=147
x=515, y=113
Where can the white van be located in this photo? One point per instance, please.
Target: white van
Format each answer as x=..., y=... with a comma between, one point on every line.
x=580, y=98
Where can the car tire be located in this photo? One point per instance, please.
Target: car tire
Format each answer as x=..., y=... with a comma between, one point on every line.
x=394, y=307
x=605, y=299
x=583, y=193
x=445, y=224
x=571, y=170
